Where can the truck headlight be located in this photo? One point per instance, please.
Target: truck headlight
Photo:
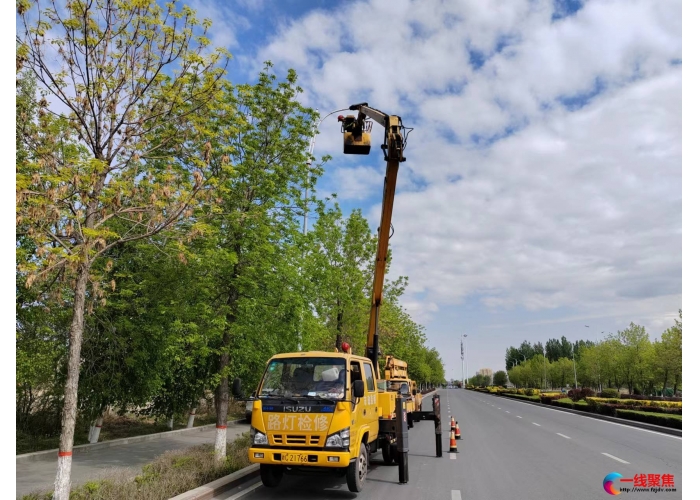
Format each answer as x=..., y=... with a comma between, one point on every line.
x=340, y=439
x=257, y=437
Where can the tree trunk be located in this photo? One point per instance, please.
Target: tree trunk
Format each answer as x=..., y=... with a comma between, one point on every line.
x=170, y=422
x=339, y=326
x=663, y=391
x=190, y=421
x=70, y=401
x=221, y=401
x=95, y=430
x=222, y=391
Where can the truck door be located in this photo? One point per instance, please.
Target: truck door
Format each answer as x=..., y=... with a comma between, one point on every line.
x=370, y=401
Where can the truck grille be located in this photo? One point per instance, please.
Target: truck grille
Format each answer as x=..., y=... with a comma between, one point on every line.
x=291, y=439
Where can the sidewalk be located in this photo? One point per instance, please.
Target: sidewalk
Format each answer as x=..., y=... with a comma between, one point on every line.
x=39, y=474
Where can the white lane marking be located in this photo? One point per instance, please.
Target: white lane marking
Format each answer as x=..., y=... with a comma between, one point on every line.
x=599, y=420
x=538, y=425
x=453, y=456
x=562, y=435
x=614, y=458
x=519, y=416
x=507, y=411
x=456, y=495
x=499, y=408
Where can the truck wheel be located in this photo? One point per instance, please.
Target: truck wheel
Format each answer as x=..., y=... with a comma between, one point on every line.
x=386, y=454
x=271, y=475
x=357, y=471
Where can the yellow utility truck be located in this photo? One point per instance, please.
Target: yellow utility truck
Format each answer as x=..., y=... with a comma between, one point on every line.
x=325, y=411
x=396, y=377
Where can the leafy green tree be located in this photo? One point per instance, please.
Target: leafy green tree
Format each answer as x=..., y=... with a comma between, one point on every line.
x=554, y=349
x=121, y=70
x=250, y=257
x=515, y=376
x=339, y=266
x=634, y=359
x=567, y=349
x=500, y=378
x=561, y=372
x=669, y=354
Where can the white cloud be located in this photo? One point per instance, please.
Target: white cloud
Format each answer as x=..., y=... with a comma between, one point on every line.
x=227, y=22
x=578, y=210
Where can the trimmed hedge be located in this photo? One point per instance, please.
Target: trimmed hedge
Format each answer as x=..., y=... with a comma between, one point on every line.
x=609, y=393
x=578, y=394
x=548, y=398
x=636, y=402
x=650, y=398
x=581, y=405
x=669, y=417
x=674, y=421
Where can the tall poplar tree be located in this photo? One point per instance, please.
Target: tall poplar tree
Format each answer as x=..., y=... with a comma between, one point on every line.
x=115, y=71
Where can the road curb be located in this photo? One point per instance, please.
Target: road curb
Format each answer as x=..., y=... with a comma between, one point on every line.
x=221, y=485
x=86, y=448
x=623, y=421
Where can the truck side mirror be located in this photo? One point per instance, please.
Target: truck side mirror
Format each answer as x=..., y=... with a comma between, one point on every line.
x=415, y=392
x=358, y=389
x=236, y=388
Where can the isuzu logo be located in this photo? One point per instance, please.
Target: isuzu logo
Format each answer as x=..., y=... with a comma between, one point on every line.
x=297, y=409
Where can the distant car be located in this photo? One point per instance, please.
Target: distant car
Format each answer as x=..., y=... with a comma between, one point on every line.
x=563, y=391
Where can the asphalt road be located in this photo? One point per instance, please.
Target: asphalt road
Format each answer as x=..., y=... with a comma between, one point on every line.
x=508, y=449
x=39, y=475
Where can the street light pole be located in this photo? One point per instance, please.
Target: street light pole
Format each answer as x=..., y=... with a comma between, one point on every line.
x=461, y=346
x=544, y=357
x=312, y=143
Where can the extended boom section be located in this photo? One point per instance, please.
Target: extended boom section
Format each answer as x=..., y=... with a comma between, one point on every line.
x=393, y=154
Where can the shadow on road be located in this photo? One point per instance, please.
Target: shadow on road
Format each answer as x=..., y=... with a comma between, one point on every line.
x=307, y=488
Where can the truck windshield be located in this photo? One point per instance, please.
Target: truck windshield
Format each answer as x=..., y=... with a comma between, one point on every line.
x=299, y=377
x=397, y=386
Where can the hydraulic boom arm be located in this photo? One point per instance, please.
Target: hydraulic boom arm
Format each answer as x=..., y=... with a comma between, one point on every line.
x=393, y=154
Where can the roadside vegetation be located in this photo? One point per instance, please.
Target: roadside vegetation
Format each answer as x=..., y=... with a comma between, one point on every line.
x=652, y=410
x=626, y=361
x=117, y=426
x=159, y=243
x=171, y=474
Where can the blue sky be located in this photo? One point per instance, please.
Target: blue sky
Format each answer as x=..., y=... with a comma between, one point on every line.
x=542, y=190
x=542, y=187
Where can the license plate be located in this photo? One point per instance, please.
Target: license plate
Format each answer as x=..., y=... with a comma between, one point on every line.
x=295, y=458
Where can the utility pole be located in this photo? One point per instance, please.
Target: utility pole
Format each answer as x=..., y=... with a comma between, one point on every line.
x=312, y=143
x=461, y=345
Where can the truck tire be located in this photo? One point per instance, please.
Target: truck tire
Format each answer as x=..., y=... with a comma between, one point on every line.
x=386, y=453
x=271, y=475
x=357, y=471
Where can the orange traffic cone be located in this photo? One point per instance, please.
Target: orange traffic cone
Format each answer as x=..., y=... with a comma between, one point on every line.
x=453, y=443
x=452, y=424
x=458, y=435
